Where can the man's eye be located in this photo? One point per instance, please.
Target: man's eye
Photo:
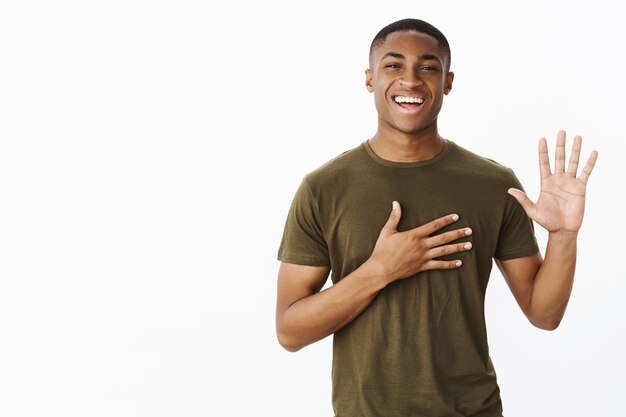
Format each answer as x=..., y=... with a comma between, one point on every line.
x=393, y=66
x=428, y=68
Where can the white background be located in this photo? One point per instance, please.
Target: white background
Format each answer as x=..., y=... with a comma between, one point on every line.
x=149, y=152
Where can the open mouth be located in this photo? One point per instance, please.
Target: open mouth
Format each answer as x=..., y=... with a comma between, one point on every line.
x=408, y=102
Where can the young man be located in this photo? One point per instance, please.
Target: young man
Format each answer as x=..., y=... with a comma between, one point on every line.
x=407, y=302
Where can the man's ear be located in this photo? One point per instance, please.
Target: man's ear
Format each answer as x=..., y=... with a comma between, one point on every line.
x=448, y=84
x=368, y=80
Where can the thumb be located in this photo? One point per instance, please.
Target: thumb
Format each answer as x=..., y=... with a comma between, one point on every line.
x=526, y=203
x=394, y=218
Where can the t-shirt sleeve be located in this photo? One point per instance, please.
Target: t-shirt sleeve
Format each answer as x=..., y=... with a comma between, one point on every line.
x=303, y=240
x=517, y=235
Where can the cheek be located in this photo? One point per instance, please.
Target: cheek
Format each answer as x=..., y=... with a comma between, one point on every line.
x=381, y=100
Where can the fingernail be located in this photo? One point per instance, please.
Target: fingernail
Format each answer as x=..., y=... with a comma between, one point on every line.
x=468, y=231
x=455, y=217
x=459, y=263
x=468, y=245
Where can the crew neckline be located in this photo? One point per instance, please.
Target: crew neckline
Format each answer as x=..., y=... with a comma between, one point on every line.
x=449, y=146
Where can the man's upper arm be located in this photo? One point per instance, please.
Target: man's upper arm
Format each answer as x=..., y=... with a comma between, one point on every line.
x=519, y=274
x=296, y=282
x=303, y=252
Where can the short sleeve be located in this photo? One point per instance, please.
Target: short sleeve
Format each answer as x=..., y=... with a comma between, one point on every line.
x=303, y=240
x=517, y=235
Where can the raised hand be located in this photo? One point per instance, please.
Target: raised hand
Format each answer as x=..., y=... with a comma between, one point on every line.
x=561, y=203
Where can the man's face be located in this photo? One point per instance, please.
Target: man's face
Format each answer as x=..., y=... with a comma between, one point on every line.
x=408, y=77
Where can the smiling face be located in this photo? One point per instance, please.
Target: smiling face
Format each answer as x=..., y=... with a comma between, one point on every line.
x=408, y=76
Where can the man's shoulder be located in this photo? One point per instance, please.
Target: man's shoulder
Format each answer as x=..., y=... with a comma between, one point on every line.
x=338, y=166
x=479, y=160
x=473, y=163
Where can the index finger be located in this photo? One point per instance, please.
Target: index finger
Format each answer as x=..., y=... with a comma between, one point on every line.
x=437, y=224
x=591, y=162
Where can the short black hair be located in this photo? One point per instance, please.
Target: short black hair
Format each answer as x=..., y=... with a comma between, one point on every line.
x=416, y=25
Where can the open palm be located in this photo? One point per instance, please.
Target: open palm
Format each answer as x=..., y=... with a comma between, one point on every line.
x=561, y=203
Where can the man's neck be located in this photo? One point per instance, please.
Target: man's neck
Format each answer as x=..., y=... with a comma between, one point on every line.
x=403, y=147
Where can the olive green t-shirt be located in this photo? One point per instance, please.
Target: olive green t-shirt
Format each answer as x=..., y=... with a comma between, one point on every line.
x=420, y=348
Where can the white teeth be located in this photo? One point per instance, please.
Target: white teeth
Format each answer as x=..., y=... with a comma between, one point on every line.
x=404, y=99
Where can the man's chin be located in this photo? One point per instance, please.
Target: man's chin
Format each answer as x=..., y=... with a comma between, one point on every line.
x=412, y=129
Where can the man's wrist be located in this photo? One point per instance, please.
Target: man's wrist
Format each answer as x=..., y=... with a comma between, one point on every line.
x=377, y=273
x=563, y=237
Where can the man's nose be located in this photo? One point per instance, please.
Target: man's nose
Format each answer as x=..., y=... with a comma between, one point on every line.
x=410, y=79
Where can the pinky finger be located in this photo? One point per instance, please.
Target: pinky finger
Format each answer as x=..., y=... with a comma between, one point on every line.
x=586, y=172
x=442, y=264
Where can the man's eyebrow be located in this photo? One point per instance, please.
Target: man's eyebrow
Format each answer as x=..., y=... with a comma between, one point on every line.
x=430, y=58
x=393, y=55
x=426, y=57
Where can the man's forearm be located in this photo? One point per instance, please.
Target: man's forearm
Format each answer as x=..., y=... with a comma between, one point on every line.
x=319, y=315
x=554, y=281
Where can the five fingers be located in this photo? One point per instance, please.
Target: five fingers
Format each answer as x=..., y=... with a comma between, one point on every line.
x=435, y=246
